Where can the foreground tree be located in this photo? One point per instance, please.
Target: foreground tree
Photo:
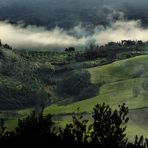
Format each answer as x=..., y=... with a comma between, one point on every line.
x=35, y=129
x=106, y=131
x=108, y=128
x=76, y=132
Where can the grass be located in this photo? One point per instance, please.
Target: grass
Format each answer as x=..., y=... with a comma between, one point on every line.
x=25, y=112
x=11, y=122
x=135, y=129
x=120, y=79
x=112, y=94
x=120, y=70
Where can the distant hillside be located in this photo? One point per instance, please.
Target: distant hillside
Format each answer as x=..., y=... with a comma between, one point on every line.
x=37, y=78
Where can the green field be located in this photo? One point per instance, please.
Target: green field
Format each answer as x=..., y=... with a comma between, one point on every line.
x=121, y=79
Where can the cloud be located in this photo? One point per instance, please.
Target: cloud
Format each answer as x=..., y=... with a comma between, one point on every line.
x=39, y=37
x=122, y=30
x=109, y=14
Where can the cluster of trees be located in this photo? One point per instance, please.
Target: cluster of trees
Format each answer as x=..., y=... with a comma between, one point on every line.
x=115, y=50
x=54, y=57
x=111, y=52
x=106, y=131
x=7, y=46
x=126, y=43
x=22, y=82
x=41, y=72
x=70, y=49
x=78, y=84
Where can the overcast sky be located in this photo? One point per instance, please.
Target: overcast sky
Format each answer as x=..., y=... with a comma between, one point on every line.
x=63, y=23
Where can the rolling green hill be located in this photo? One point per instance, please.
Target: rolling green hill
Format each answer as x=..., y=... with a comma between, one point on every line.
x=120, y=80
x=123, y=81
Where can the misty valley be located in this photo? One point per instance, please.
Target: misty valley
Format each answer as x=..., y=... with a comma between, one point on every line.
x=74, y=72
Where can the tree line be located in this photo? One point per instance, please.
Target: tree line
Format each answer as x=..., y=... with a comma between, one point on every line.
x=106, y=131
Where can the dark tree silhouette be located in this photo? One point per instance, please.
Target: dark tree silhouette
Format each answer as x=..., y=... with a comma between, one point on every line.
x=2, y=129
x=76, y=132
x=70, y=49
x=36, y=129
x=109, y=126
x=107, y=131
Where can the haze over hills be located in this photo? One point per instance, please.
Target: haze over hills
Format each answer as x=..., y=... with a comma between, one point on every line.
x=103, y=57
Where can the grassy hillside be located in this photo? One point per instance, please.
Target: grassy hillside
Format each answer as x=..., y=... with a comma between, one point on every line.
x=121, y=70
x=120, y=79
x=123, y=81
